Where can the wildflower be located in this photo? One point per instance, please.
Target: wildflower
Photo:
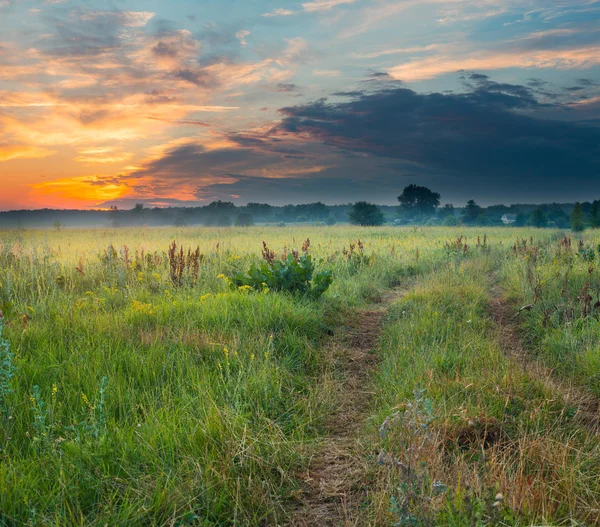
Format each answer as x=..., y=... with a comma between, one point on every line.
x=221, y=276
x=252, y=356
x=266, y=354
x=226, y=352
x=436, y=314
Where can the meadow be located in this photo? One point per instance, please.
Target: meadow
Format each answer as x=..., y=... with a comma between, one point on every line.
x=142, y=383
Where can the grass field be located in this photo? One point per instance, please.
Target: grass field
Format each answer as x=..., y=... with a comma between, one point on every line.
x=448, y=376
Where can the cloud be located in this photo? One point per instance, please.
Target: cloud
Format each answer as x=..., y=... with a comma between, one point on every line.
x=395, y=51
x=576, y=58
x=241, y=36
x=122, y=18
x=280, y=12
x=492, y=132
x=315, y=6
x=327, y=73
x=287, y=88
x=8, y=152
x=324, y=5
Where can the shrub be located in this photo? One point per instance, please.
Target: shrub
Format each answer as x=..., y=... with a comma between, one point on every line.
x=293, y=272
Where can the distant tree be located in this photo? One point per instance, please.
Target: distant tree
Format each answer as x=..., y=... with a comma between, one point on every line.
x=223, y=220
x=595, y=215
x=472, y=212
x=419, y=200
x=137, y=213
x=179, y=220
x=220, y=206
x=57, y=225
x=558, y=217
x=521, y=219
x=446, y=210
x=260, y=210
x=365, y=214
x=577, y=221
x=330, y=221
x=114, y=213
x=538, y=218
x=450, y=221
x=244, y=219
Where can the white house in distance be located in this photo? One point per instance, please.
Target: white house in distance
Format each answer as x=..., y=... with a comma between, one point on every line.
x=507, y=219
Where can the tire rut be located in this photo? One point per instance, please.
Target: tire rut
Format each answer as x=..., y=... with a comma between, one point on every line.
x=334, y=486
x=505, y=316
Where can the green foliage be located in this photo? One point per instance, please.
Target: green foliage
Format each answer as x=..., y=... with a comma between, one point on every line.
x=419, y=200
x=244, y=219
x=7, y=371
x=538, y=218
x=365, y=214
x=577, y=219
x=521, y=219
x=472, y=212
x=586, y=253
x=294, y=273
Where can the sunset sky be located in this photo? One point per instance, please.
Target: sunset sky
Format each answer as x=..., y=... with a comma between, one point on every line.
x=185, y=102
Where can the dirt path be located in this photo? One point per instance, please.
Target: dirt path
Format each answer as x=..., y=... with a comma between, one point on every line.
x=506, y=318
x=334, y=485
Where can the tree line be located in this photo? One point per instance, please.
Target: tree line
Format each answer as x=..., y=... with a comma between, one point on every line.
x=417, y=205
x=421, y=206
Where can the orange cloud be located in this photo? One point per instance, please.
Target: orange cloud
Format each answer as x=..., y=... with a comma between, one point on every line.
x=84, y=190
x=429, y=68
x=8, y=152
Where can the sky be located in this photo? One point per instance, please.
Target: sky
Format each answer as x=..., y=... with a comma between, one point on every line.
x=180, y=103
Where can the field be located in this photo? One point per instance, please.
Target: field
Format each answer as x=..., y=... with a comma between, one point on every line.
x=448, y=376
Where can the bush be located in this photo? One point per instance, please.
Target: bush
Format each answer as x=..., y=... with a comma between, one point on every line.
x=293, y=273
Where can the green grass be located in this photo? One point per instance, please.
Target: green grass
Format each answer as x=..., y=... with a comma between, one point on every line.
x=197, y=405
x=495, y=429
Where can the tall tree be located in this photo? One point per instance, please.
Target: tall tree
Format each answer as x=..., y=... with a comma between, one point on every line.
x=472, y=212
x=538, y=218
x=577, y=221
x=420, y=200
x=365, y=214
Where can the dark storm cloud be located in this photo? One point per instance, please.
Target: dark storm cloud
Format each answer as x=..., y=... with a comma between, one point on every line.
x=490, y=131
x=494, y=142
